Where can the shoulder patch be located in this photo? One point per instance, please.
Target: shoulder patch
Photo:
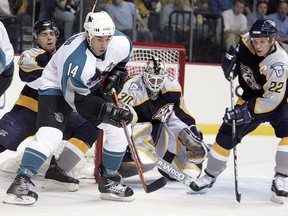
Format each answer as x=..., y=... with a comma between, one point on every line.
x=278, y=68
x=134, y=86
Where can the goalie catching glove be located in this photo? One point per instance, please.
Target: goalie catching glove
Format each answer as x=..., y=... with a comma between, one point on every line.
x=191, y=137
x=115, y=79
x=240, y=114
x=114, y=115
x=229, y=63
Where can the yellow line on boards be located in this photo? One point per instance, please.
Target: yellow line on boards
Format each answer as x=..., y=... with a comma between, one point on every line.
x=262, y=130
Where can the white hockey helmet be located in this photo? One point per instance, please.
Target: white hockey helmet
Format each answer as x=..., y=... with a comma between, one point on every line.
x=154, y=75
x=99, y=24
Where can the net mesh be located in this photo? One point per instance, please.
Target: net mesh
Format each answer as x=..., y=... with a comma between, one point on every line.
x=141, y=56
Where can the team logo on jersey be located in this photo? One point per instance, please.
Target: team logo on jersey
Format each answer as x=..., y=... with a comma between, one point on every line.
x=278, y=67
x=248, y=77
x=134, y=86
x=99, y=74
x=59, y=117
x=110, y=67
x=95, y=79
x=3, y=133
x=164, y=113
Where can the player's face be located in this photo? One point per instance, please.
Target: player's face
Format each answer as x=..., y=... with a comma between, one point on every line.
x=100, y=43
x=47, y=40
x=262, y=46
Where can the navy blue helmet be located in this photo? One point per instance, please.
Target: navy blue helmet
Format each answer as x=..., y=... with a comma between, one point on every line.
x=265, y=28
x=42, y=25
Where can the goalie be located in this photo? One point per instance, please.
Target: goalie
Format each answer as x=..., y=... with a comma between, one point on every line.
x=156, y=100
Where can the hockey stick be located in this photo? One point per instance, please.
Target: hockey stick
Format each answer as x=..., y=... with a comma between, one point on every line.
x=157, y=184
x=4, y=99
x=174, y=171
x=94, y=6
x=238, y=195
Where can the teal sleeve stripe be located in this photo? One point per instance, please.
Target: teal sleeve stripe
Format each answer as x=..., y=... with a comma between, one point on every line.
x=50, y=91
x=73, y=67
x=2, y=59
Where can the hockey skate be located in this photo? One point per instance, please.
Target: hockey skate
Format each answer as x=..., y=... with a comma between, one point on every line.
x=110, y=188
x=56, y=178
x=278, y=188
x=19, y=192
x=202, y=183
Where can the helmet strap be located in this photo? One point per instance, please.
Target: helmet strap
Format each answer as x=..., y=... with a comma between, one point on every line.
x=272, y=46
x=89, y=39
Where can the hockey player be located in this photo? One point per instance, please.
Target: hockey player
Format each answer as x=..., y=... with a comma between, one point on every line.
x=157, y=98
x=261, y=65
x=6, y=60
x=72, y=80
x=20, y=122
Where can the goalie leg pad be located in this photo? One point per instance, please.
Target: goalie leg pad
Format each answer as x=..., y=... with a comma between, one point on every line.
x=192, y=169
x=128, y=169
x=145, y=149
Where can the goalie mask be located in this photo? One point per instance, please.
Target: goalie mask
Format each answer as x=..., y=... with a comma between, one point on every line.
x=154, y=75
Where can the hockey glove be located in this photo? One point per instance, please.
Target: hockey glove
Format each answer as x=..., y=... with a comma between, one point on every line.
x=229, y=63
x=114, y=115
x=191, y=137
x=240, y=114
x=115, y=79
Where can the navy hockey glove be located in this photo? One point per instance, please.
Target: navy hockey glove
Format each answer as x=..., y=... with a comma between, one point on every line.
x=229, y=63
x=115, y=79
x=114, y=115
x=240, y=114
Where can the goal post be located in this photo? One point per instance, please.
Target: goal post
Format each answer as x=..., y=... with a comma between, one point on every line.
x=174, y=58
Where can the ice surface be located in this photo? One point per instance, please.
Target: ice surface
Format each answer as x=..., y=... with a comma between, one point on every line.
x=256, y=168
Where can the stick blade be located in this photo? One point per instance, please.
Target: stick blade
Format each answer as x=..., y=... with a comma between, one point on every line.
x=238, y=197
x=156, y=185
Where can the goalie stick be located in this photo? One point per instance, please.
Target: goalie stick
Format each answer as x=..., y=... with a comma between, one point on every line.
x=148, y=188
x=174, y=171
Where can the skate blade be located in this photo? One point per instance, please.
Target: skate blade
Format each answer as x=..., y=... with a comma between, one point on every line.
x=203, y=191
x=277, y=199
x=113, y=197
x=23, y=200
x=56, y=185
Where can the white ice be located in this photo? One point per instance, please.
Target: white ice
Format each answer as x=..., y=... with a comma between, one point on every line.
x=255, y=169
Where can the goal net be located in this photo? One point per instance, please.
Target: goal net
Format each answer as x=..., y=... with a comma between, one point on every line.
x=174, y=58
